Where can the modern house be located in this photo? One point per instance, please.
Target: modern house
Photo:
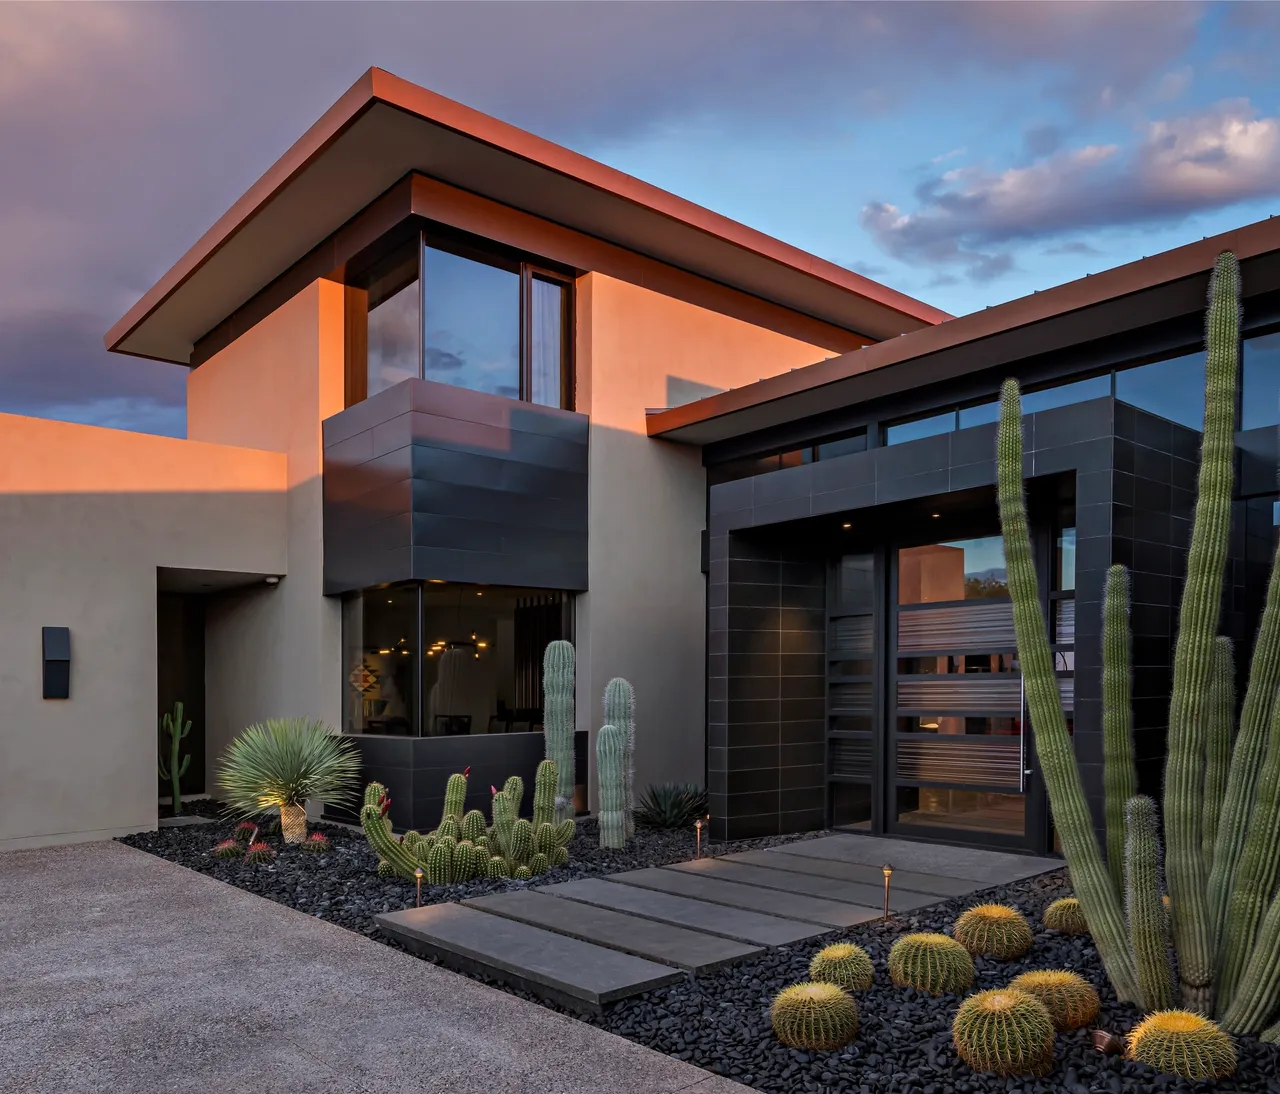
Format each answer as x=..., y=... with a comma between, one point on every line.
x=455, y=391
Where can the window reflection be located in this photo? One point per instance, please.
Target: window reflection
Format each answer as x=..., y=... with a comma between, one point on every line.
x=392, y=333
x=1172, y=389
x=1067, y=560
x=380, y=645
x=971, y=569
x=548, y=327
x=1260, y=402
x=920, y=427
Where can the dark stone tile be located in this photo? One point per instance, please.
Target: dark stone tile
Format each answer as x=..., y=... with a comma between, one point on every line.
x=752, y=619
x=802, y=664
x=1122, y=491
x=802, y=642
x=970, y=475
x=1122, y=455
x=725, y=497
x=804, y=619
x=802, y=753
x=809, y=777
x=1067, y=425
x=975, y=445
x=732, y=520
x=739, y=688
x=753, y=736
x=718, y=689
x=803, y=596
x=1152, y=558
x=755, y=641
x=803, y=573
x=844, y=473
x=752, y=804
x=717, y=735
x=749, y=571
x=801, y=820
x=913, y=486
x=1153, y=431
x=788, y=484
x=1082, y=457
x=803, y=731
x=1151, y=463
x=796, y=710
x=1094, y=519
x=779, y=511
x=804, y=687
x=914, y=458
x=838, y=501
x=753, y=780
x=753, y=710
x=738, y=827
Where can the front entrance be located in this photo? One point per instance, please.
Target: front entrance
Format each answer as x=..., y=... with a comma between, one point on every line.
x=926, y=713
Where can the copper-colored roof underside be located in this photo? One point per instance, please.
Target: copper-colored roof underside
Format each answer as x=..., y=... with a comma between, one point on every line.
x=385, y=127
x=1148, y=291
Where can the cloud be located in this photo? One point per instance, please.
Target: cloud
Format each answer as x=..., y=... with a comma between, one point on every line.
x=1197, y=162
x=1041, y=140
x=1073, y=247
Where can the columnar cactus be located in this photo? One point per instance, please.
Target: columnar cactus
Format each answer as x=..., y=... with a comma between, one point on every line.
x=1119, y=776
x=544, y=793
x=1178, y=1042
x=611, y=771
x=1004, y=1031
x=843, y=964
x=455, y=795
x=817, y=1017
x=1069, y=998
x=1094, y=887
x=620, y=711
x=994, y=930
x=558, y=720
x=173, y=727
x=1219, y=730
x=1148, y=921
x=930, y=962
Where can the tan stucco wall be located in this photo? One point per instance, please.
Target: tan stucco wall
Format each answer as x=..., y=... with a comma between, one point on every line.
x=276, y=652
x=644, y=617
x=86, y=517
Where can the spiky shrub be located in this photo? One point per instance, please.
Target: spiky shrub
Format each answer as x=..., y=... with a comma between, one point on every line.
x=620, y=711
x=1065, y=915
x=317, y=843
x=1144, y=905
x=1004, y=1031
x=173, y=768
x=1069, y=998
x=284, y=763
x=611, y=772
x=817, y=1017
x=558, y=721
x=932, y=963
x=244, y=832
x=843, y=964
x=994, y=930
x=1178, y=1042
x=228, y=848
x=259, y=852
x=671, y=805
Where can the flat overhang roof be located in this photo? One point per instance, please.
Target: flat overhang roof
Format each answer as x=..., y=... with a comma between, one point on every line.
x=384, y=127
x=1150, y=290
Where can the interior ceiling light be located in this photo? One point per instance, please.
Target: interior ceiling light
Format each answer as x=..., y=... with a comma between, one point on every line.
x=482, y=645
x=935, y=515
x=435, y=580
x=384, y=651
x=846, y=526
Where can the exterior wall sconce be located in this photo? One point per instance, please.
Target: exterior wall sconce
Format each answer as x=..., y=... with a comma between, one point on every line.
x=417, y=876
x=887, y=870
x=272, y=580
x=55, y=645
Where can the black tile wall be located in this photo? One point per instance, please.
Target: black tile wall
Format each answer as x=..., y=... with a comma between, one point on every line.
x=427, y=480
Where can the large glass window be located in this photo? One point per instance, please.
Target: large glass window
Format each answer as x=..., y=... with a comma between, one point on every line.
x=1172, y=389
x=920, y=427
x=392, y=332
x=444, y=659
x=1260, y=398
x=969, y=569
x=828, y=448
x=548, y=340
x=471, y=323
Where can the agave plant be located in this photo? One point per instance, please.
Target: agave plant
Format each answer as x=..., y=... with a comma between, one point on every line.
x=283, y=763
x=671, y=805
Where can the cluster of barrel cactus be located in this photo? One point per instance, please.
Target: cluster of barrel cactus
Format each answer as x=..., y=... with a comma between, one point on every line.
x=820, y=1015
x=1004, y=1031
x=994, y=930
x=1221, y=804
x=464, y=846
x=933, y=963
x=1069, y=998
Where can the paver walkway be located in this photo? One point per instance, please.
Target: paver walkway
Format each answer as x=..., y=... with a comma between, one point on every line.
x=584, y=944
x=121, y=972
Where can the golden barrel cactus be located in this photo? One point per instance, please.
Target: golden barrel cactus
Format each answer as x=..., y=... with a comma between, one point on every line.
x=1179, y=1042
x=994, y=930
x=932, y=963
x=843, y=964
x=819, y=1017
x=1066, y=916
x=1068, y=997
x=1004, y=1031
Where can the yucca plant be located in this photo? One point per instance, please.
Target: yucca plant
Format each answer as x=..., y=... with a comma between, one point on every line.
x=1221, y=805
x=671, y=805
x=283, y=763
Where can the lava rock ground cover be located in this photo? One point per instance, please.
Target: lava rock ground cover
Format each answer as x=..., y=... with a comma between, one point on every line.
x=721, y=1022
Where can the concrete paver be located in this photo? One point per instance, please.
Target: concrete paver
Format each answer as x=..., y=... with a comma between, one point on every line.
x=932, y=884
x=983, y=867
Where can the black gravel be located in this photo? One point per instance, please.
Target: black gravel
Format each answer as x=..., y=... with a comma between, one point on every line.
x=720, y=1022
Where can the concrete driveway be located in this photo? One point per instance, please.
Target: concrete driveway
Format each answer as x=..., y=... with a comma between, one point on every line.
x=122, y=973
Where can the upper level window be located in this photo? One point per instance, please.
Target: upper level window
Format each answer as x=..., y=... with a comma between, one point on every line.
x=1172, y=389
x=827, y=448
x=1260, y=386
x=459, y=313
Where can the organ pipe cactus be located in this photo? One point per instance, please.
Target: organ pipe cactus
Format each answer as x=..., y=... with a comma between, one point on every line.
x=1218, y=730
x=1093, y=884
x=558, y=720
x=611, y=771
x=176, y=729
x=1148, y=921
x=1119, y=776
x=620, y=711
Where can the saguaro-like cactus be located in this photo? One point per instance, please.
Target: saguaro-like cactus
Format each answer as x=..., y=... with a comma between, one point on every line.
x=1119, y=776
x=1093, y=885
x=1144, y=904
x=176, y=729
x=620, y=711
x=558, y=720
x=1218, y=733
x=610, y=769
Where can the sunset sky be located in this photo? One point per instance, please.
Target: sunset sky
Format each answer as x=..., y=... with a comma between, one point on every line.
x=963, y=153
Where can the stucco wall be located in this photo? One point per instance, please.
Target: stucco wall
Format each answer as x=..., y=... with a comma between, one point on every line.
x=644, y=617
x=86, y=517
x=276, y=652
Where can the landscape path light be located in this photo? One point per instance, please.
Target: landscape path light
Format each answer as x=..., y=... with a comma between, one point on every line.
x=417, y=874
x=887, y=870
x=698, y=829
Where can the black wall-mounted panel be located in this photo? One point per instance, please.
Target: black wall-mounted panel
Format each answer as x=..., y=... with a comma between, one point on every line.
x=425, y=480
x=55, y=645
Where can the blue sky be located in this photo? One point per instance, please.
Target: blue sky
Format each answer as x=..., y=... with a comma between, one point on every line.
x=963, y=153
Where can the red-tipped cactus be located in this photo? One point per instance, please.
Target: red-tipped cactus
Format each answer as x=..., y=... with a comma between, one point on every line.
x=228, y=848
x=317, y=843
x=245, y=832
x=259, y=852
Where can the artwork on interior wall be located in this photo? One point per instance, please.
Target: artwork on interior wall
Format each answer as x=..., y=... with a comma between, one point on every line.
x=364, y=678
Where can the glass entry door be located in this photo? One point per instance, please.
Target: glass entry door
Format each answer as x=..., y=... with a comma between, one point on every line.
x=957, y=759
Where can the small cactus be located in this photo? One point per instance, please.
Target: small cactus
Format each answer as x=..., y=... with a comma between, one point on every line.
x=558, y=721
x=1178, y=1042
x=994, y=930
x=473, y=826
x=244, y=833
x=1066, y=916
x=259, y=852
x=455, y=795
x=385, y=869
x=1004, y=1031
x=931, y=963
x=843, y=964
x=317, y=843
x=612, y=775
x=522, y=873
x=1069, y=998
x=228, y=848
x=817, y=1017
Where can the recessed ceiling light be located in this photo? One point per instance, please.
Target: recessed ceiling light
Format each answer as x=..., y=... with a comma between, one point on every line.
x=435, y=580
x=935, y=515
x=846, y=526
